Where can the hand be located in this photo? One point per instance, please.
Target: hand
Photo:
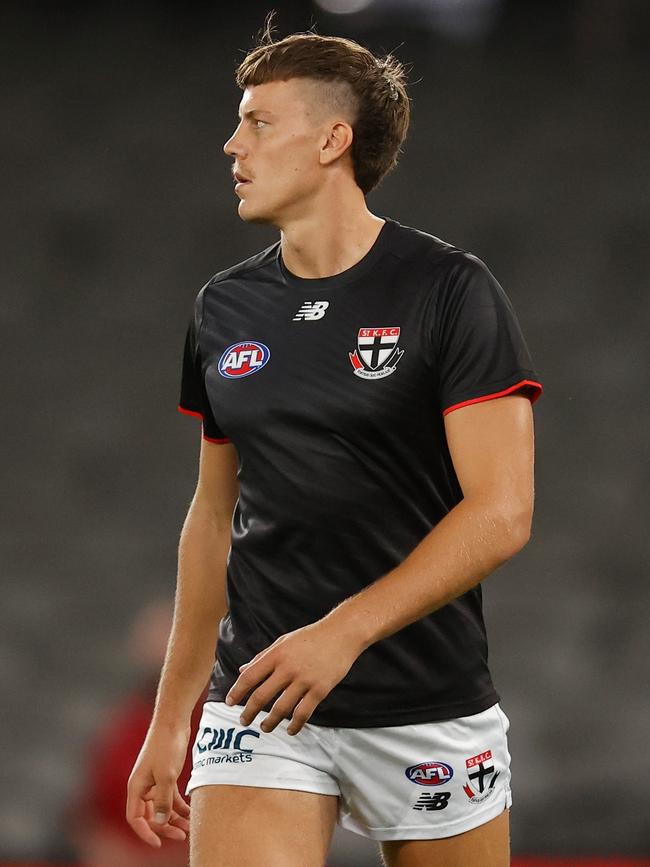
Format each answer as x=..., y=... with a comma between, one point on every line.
x=155, y=808
x=301, y=668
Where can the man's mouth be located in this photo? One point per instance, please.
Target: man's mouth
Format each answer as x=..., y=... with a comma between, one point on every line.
x=240, y=179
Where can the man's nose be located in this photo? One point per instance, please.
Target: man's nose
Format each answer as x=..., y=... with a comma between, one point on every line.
x=232, y=147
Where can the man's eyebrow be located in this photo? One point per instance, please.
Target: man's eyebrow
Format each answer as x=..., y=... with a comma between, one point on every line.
x=253, y=111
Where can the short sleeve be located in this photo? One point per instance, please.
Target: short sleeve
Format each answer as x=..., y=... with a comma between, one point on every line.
x=194, y=398
x=481, y=351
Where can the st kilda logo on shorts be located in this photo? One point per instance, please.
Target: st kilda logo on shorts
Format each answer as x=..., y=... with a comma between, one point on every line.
x=377, y=353
x=243, y=359
x=481, y=777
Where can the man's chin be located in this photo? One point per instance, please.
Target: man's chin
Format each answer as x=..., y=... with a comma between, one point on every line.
x=250, y=214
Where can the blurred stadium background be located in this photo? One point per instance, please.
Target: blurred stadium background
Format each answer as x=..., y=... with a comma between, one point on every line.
x=529, y=147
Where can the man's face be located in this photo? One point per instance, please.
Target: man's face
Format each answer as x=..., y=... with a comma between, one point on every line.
x=276, y=150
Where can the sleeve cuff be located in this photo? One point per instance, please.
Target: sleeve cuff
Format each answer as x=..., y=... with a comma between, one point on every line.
x=534, y=392
x=195, y=414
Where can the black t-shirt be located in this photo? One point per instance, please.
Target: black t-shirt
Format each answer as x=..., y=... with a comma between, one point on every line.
x=333, y=392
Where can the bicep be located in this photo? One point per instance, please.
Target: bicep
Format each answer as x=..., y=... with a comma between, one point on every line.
x=492, y=449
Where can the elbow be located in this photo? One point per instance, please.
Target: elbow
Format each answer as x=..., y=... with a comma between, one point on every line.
x=516, y=530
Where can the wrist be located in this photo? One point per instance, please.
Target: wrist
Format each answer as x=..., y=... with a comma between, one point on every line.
x=352, y=625
x=170, y=722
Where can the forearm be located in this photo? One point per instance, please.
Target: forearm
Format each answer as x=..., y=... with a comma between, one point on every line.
x=200, y=604
x=471, y=541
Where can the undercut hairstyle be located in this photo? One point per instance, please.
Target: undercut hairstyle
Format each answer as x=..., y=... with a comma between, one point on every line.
x=370, y=90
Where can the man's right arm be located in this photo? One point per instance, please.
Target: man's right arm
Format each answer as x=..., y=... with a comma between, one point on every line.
x=201, y=586
x=200, y=605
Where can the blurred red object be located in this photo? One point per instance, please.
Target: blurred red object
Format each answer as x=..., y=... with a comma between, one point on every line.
x=96, y=818
x=112, y=756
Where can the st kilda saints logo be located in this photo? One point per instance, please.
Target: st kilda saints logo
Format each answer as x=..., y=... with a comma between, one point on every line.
x=481, y=777
x=377, y=353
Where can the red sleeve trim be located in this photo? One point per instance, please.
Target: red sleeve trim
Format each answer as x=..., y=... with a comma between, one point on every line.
x=190, y=412
x=220, y=440
x=537, y=386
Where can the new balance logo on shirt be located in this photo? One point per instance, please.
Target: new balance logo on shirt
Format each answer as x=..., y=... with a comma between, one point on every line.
x=311, y=310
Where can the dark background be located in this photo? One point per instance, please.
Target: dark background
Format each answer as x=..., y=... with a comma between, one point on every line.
x=529, y=147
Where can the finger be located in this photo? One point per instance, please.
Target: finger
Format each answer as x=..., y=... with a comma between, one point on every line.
x=136, y=810
x=179, y=822
x=259, y=655
x=250, y=662
x=180, y=804
x=172, y=832
x=177, y=819
x=162, y=795
x=303, y=712
x=249, y=679
x=176, y=828
x=283, y=707
x=137, y=790
x=262, y=696
x=136, y=814
x=144, y=832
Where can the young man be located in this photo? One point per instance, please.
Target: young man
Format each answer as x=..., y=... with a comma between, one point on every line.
x=366, y=395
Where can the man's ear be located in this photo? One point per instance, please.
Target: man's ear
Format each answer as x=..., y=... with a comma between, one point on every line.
x=337, y=143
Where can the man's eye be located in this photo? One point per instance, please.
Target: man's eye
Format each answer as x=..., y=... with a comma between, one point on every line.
x=258, y=124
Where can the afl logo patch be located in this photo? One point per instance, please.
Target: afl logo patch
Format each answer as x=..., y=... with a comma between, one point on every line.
x=430, y=773
x=244, y=358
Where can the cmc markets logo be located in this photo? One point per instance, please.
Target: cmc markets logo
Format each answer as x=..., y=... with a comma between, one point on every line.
x=222, y=739
x=243, y=358
x=223, y=746
x=430, y=773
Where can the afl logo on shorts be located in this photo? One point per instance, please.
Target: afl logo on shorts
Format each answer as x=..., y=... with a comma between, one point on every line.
x=242, y=359
x=430, y=773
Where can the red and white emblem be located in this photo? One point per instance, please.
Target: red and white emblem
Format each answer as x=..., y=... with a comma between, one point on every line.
x=481, y=775
x=377, y=352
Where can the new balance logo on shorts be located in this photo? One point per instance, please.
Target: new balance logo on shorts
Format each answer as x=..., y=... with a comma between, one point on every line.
x=311, y=310
x=433, y=801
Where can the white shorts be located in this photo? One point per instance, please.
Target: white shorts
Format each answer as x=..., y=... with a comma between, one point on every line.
x=407, y=782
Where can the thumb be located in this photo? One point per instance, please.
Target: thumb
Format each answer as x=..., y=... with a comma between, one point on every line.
x=162, y=803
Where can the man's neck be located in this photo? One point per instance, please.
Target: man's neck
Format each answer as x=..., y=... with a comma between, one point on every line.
x=325, y=244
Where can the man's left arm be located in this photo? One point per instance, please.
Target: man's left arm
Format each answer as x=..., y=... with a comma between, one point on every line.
x=492, y=449
x=491, y=444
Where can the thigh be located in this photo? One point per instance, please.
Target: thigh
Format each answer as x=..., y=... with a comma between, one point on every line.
x=237, y=826
x=485, y=846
